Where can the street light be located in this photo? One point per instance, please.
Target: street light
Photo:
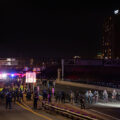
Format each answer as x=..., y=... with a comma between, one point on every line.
x=116, y=12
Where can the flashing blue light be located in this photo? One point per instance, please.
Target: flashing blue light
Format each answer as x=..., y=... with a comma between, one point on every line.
x=12, y=75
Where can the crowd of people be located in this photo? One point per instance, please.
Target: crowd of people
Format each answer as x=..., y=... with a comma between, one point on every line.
x=78, y=97
x=11, y=95
x=50, y=92
x=89, y=97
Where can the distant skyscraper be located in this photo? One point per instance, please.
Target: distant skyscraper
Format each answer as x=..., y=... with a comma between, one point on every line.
x=111, y=37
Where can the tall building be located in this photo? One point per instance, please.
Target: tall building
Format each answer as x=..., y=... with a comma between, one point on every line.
x=111, y=37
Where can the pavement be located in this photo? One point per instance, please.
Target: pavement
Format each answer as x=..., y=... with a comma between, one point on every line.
x=110, y=110
x=100, y=110
x=21, y=112
x=17, y=113
x=67, y=106
x=25, y=111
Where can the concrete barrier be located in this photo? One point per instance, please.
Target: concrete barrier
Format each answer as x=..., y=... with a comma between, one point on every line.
x=86, y=86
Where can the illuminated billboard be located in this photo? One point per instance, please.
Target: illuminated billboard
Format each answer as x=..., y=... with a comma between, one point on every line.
x=30, y=77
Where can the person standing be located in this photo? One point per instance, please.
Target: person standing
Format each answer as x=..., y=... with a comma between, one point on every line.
x=82, y=102
x=90, y=94
x=54, y=83
x=63, y=97
x=76, y=96
x=18, y=95
x=8, y=100
x=114, y=93
x=21, y=95
x=14, y=96
x=105, y=96
x=118, y=95
x=49, y=96
x=72, y=97
x=56, y=96
x=35, y=99
x=96, y=96
x=87, y=97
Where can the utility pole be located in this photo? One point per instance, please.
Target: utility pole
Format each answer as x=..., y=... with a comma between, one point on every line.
x=62, y=63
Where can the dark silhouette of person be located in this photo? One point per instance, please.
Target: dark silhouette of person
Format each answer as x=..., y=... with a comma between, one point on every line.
x=8, y=100
x=35, y=99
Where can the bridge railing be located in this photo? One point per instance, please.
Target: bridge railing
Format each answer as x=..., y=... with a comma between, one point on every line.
x=67, y=113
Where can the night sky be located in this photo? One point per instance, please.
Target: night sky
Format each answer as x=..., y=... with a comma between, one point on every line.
x=31, y=29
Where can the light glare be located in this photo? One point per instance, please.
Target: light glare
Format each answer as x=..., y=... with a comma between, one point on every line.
x=116, y=12
x=4, y=75
x=12, y=75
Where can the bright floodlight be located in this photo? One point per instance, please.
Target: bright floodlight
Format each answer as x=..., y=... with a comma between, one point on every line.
x=115, y=105
x=4, y=75
x=116, y=12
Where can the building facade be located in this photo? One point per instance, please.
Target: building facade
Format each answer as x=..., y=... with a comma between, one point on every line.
x=111, y=37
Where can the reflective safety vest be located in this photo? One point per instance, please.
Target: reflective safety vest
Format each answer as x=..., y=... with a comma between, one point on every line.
x=21, y=87
x=1, y=89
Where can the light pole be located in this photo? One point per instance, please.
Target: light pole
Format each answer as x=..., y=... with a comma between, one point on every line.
x=62, y=62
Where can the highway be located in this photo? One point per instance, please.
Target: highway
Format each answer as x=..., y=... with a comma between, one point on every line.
x=19, y=112
x=110, y=109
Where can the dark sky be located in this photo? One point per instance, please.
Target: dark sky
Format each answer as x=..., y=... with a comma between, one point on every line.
x=51, y=29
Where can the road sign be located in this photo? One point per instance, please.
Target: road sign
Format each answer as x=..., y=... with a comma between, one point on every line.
x=30, y=77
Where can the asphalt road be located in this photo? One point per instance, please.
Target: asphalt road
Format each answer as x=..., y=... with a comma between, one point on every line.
x=20, y=113
x=112, y=110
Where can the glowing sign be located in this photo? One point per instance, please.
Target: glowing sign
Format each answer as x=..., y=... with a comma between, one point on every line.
x=30, y=77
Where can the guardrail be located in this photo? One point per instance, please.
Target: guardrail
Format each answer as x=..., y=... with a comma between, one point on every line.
x=67, y=113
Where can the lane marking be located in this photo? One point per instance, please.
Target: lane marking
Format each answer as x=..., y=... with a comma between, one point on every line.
x=26, y=105
x=105, y=114
x=30, y=110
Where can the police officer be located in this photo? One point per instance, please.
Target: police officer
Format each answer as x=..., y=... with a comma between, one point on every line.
x=14, y=95
x=21, y=95
x=35, y=99
x=18, y=95
x=82, y=102
x=8, y=99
